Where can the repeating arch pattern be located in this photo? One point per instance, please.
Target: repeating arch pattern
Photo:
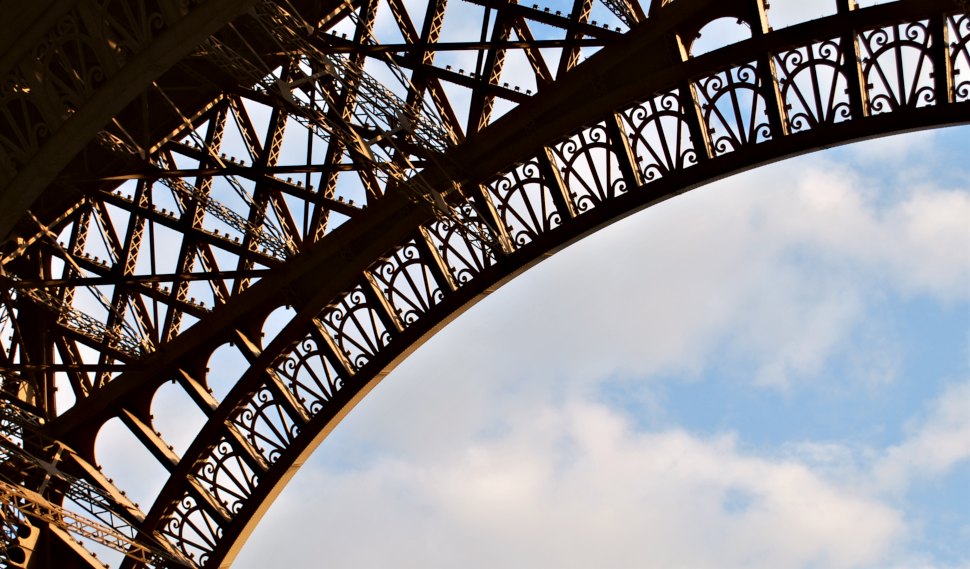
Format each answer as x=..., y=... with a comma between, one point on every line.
x=367, y=284
x=589, y=167
x=813, y=83
x=660, y=135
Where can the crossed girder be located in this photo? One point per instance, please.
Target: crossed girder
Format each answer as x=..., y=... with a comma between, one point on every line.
x=136, y=248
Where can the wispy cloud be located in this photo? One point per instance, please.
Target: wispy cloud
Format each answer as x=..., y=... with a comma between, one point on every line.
x=577, y=486
x=934, y=445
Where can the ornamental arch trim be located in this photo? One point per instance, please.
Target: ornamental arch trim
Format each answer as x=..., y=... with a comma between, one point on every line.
x=455, y=206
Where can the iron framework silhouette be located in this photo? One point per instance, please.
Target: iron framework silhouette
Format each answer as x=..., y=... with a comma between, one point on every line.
x=396, y=163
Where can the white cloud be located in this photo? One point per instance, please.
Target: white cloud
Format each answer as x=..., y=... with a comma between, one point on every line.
x=919, y=243
x=889, y=150
x=934, y=229
x=576, y=486
x=933, y=447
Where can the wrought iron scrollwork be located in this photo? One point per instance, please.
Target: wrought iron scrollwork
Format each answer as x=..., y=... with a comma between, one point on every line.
x=356, y=327
x=266, y=425
x=407, y=282
x=524, y=202
x=813, y=85
x=589, y=167
x=309, y=375
x=898, y=66
x=734, y=108
x=659, y=136
x=464, y=257
x=193, y=528
x=227, y=476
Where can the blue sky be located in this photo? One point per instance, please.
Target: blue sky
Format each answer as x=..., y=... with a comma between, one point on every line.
x=771, y=371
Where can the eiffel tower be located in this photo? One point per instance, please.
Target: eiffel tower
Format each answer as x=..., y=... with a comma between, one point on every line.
x=312, y=188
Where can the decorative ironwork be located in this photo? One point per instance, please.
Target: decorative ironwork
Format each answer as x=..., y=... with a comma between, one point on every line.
x=85, y=47
x=227, y=476
x=193, y=528
x=71, y=70
x=407, y=282
x=310, y=375
x=898, y=67
x=524, y=202
x=659, y=135
x=958, y=26
x=734, y=108
x=356, y=327
x=465, y=258
x=813, y=85
x=589, y=167
x=266, y=425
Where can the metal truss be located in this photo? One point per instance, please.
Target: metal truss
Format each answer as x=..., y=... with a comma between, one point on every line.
x=389, y=174
x=35, y=507
x=107, y=517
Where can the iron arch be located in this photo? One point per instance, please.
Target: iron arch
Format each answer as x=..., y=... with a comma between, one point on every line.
x=639, y=122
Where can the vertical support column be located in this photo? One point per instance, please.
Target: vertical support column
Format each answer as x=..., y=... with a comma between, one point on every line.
x=75, y=248
x=942, y=65
x=257, y=213
x=36, y=325
x=774, y=103
x=627, y=161
x=381, y=304
x=340, y=111
x=557, y=188
x=484, y=207
x=700, y=133
x=436, y=264
x=125, y=266
x=852, y=66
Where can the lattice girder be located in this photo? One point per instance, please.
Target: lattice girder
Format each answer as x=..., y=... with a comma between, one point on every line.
x=602, y=142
